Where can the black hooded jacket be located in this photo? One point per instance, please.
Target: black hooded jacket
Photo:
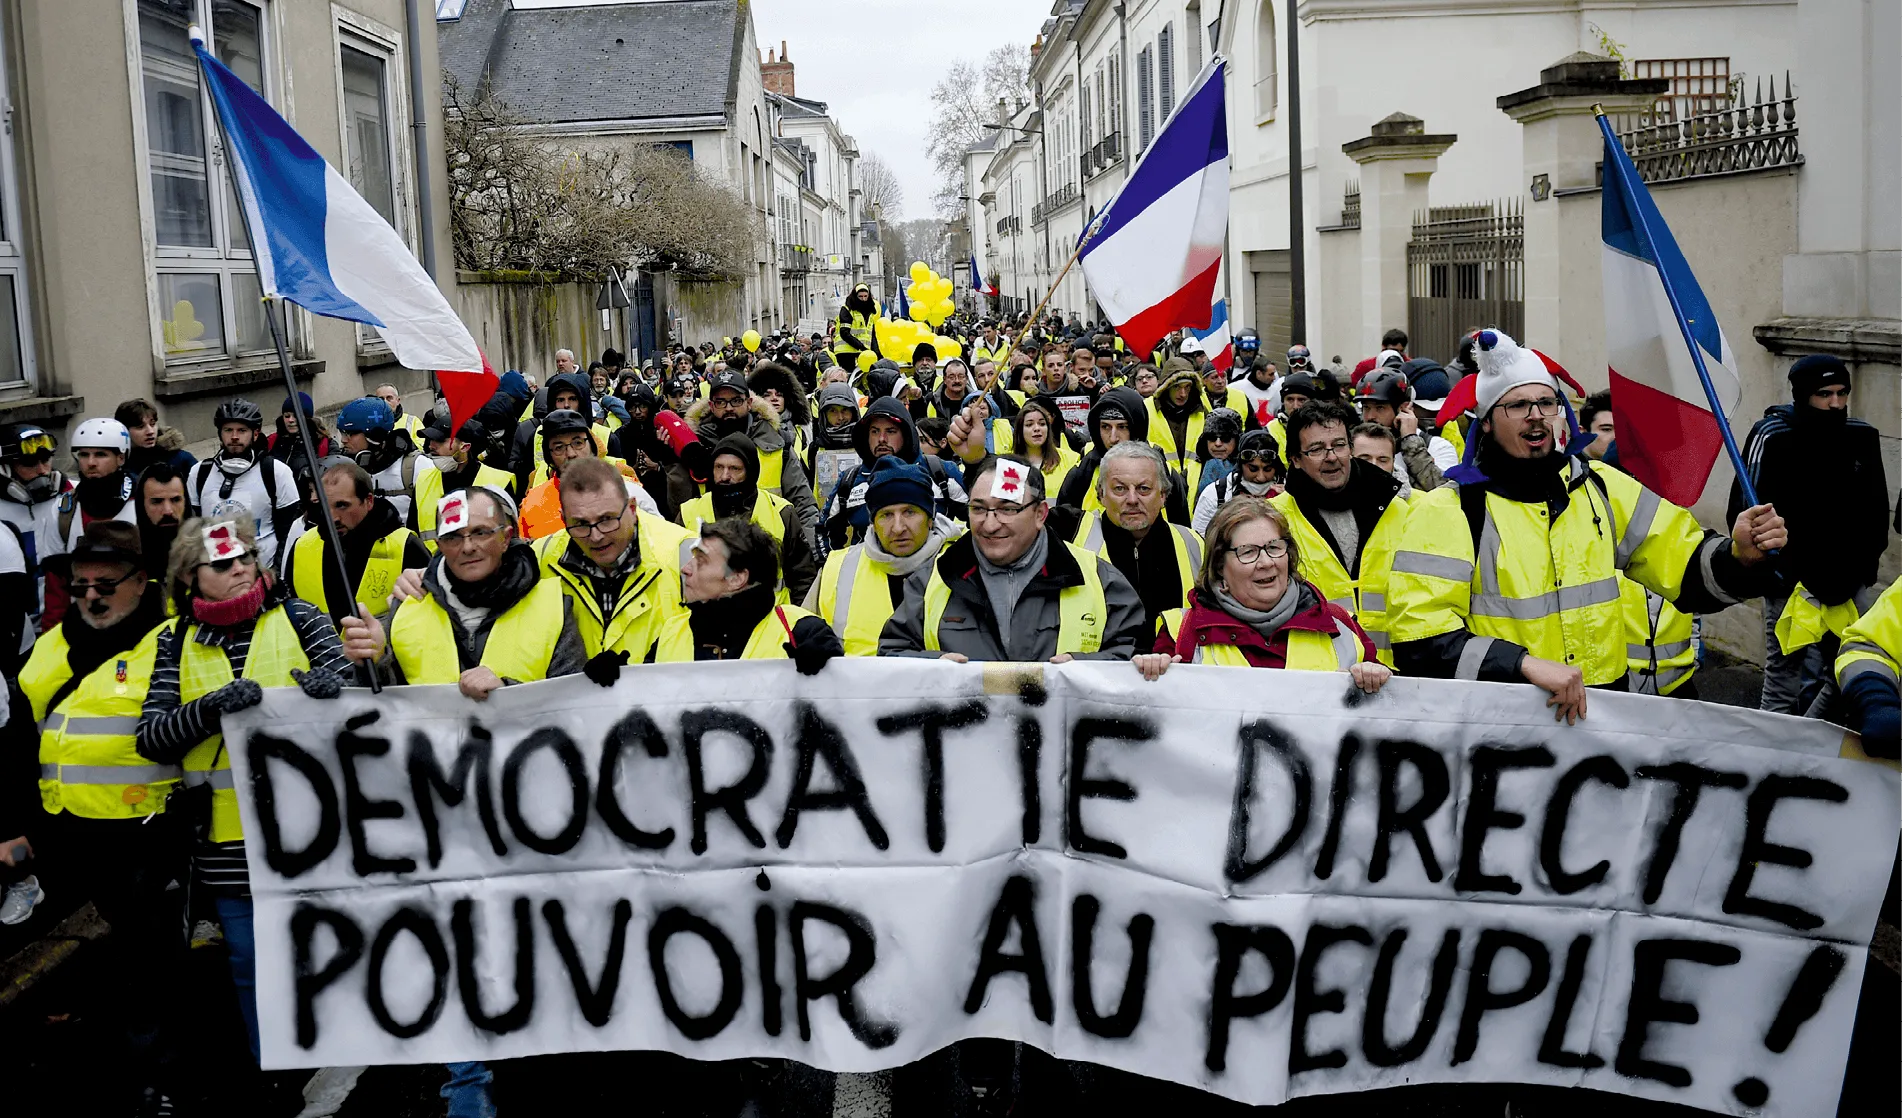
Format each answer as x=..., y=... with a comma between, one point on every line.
x=522, y=446
x=1076, y=488
x=796, y=562
x=846, y=517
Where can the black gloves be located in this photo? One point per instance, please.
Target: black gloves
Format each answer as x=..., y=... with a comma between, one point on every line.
x=239, y=694
x=319, y=683
x=604, y=667
x=813, y=644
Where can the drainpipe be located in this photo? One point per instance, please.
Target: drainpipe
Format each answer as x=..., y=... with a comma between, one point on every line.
x=419, y=132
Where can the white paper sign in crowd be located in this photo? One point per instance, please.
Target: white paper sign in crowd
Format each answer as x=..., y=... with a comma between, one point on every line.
x=1256, y=883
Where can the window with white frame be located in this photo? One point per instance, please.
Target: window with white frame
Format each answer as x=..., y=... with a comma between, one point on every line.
x=16, y=332
x=1267, y=93
x=210, y=302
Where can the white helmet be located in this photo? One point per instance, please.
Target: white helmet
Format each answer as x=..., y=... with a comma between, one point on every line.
x=102, y=434
x=1192, y=344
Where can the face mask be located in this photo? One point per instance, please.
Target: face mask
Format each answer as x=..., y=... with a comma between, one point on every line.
x=444, y=463
x=43, y=487
x=1256, y=488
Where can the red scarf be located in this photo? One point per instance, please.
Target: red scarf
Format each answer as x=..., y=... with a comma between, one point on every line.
x=233, y=611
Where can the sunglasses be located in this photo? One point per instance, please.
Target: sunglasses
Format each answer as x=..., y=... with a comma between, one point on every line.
x=103, y=587
x=223, y=566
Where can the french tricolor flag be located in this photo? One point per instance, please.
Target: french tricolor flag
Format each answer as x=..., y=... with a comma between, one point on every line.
x=1673, y=375
x=979, y=284
x=1217, y=341
x=1153, y=258
x=320, y=245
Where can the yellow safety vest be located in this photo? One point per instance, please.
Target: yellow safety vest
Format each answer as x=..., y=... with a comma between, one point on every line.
x=649, y=622
x=1658, y=646
x=1308, y=651
x=414, y=425
x=1054, y=477
x=1278, y=427
x=996, y=355
x=862, y=328
x=429, y=491
x=1550, y=587
x=855, y=597
x=1163, y=439
x=308, y=556
x=89, y=762
x=1365, y=597
x=768, y=513
x=1089, y=536
x=770, y=636
x=521, y=642
x=1874, y=642
x=663, y=542
x=274, y=653
x=1805, y=619
x=1082, y=611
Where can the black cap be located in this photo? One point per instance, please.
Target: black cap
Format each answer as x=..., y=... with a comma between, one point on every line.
x=727, y=378
x=472, y=432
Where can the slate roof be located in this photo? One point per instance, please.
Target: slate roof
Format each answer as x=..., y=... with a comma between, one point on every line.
x=672, y=58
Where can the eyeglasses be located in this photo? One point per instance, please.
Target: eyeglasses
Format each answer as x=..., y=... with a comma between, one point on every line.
x=601, y=527
x=224, y=565
x=1005, y=511
x=1249, y=554
x=104, y=586
x=1332, y=450
x=472, y=536
x=1520, y=409
x=570, y=446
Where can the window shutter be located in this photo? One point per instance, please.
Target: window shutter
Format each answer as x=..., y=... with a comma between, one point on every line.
x=1166, y=68
x=1145, y=97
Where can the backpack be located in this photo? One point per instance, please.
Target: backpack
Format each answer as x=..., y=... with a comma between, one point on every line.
x=269, y=477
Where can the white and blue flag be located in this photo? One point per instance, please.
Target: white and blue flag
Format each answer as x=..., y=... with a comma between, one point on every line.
x=319, y=244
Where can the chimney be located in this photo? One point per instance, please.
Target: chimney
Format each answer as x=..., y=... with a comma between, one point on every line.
x=776, y=74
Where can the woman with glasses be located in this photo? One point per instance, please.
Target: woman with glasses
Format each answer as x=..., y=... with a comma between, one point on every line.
x=1249, y=608
x=236, y=633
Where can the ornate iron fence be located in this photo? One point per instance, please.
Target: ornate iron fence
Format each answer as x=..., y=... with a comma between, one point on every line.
x=1350, y=206
x=1465, y=270
x=1740, y=137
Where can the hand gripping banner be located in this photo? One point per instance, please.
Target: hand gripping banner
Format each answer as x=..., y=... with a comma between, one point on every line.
x=1258, y=883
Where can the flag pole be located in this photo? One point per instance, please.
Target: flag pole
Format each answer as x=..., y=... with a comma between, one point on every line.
x=1081, y=242
x=273, y=311
x=1684, y=328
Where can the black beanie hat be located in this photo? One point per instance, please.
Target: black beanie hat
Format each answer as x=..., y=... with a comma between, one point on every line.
x=1811, y=373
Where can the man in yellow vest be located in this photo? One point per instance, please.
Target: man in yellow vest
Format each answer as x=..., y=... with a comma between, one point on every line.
x=856, y=331
x=863, y=584
x=1513, y=575
x=454, y=456
x=1009, y=590
x=103, y=834
x=620, y=571
x=487, y=617
x=1160, y=559
x=732, y=612
x=730, y=408
x=1866, y=668
x=736, y=492
x=412, y=425
x=1345, y=516
x=990, y=347
x=1176, y=414
x=376, y=546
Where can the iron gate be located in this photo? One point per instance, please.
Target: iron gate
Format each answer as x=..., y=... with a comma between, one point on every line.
x=1466, y=269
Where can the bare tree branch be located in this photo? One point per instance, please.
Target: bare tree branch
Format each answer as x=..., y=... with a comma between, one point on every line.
x=881, y=186
x=963, y=101
x=517, y=203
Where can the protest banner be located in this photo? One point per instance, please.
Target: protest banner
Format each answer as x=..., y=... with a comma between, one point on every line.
x=1259, y=883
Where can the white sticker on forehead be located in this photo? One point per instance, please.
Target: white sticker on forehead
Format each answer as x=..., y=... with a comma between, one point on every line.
x=452, y=513
x=1010, y=482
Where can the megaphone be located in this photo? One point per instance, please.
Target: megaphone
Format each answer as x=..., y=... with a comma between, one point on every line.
x=686, y=445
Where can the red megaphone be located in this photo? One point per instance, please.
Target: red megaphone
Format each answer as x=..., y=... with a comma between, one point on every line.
x=686, y=445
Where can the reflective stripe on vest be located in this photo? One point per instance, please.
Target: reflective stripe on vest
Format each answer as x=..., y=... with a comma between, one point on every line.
x=1188, y=547
x=275, y=651
x=109, y=774
x=1082, y=611
x=373, y=588
x=520, y=645
x=858, y=622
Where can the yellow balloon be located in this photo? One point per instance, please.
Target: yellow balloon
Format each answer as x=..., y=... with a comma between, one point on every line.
x=949, y=348
x=920, y=271
x=866, y=360
x=750, y=340
x=942, y=288
x=919, y=311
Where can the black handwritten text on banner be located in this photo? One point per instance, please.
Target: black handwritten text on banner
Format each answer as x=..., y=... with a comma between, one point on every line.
x=1246, y=881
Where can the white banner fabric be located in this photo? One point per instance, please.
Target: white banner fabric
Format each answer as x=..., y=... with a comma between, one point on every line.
x=1258, y=883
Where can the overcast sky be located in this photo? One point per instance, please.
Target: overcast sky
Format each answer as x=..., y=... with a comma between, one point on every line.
x=874, y=62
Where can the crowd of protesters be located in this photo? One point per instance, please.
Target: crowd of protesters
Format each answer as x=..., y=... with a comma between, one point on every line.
x=1040, y=494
